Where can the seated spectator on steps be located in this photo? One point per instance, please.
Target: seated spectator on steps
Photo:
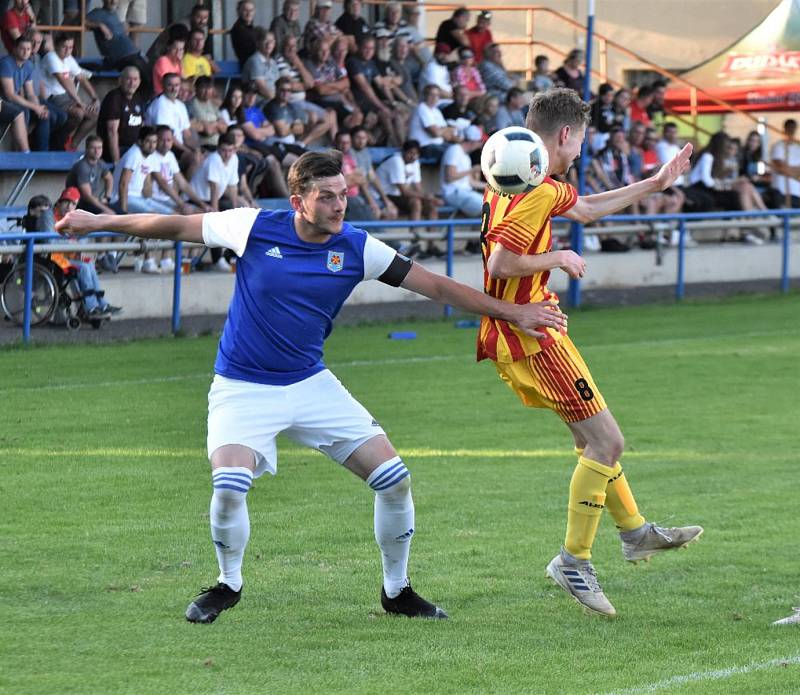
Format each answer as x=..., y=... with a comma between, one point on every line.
x=121, y=115
x=16, y=87
x=638, y=110
x=13, y=116
x=511, y=112
x=496, y=78
x=171, y=63
x=319, y=27
x=542, y=79
x=132, y=183
x=258, y=172
x=261, y=68
x=287, y=23
x=458, y=112
x=198, y=18
x=480, y=35
x=437, y=72
x=91, y=177
x=331, y=88
x=360, y=151
x=206, y=115
x=63, y=78
x=360, y=206
x=428, y=126
x=170, y=186
x=352, y=25
x=460, y=180
x=570, y=75
x=196, y=63
x=785, y=162
x=467, y=75
x=169, y=110
x=243, y=34
x=291, y=122
x=15, y=22
x=486, y=108
x=452, y=32
x=399, y=65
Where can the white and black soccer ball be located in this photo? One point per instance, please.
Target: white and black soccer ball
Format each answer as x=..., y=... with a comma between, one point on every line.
x=514, y=160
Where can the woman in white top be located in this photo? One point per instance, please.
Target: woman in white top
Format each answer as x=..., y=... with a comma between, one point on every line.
x=62, y=77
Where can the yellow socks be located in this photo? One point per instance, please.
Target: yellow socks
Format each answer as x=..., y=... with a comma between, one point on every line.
x=587, y=496
x=620, y=502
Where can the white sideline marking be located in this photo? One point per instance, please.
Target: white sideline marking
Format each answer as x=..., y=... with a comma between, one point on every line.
x=699, y=676
x=406, y=360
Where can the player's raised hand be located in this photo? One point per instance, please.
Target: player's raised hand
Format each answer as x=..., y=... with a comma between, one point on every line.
x=77, y=223
x=674, y=168
x=533, y=317
x=572, y=264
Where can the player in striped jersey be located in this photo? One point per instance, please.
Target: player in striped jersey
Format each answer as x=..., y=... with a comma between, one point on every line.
x=549, y=372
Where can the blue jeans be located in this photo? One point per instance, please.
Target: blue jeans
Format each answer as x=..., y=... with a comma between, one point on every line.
x=89, y=285
x=465, y=200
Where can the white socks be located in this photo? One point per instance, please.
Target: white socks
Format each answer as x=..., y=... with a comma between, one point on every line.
x=230, y=523
x=394, y=521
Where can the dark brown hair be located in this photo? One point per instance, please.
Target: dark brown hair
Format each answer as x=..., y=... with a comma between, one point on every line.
x=312, y=166
x=551, y=110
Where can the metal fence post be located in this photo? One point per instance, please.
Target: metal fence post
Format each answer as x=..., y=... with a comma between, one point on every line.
x=448, y=310
x=576, y=241
x=679, y=284
x=785, y=255
x=26, y=314
x=176, y=287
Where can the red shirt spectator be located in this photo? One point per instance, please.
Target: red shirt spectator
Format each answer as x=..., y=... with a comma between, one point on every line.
x=639, y=106
x=480, y=36
x=15, y=23
x=350, y=166
x=171, y=61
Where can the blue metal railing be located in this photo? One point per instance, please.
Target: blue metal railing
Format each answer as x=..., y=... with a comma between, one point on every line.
x=30, y=240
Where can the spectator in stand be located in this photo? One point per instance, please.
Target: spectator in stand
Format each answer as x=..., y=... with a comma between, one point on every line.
x=171, y=63
x=331, y=88
x=419, y=54
x=63, y=78
x=257, y=170
x=401, y=178
x=16, y=83
x=480, y=36
x=458, y=112
x=195, y=63
x=392, y=80
x=460, y=180
x=360, y=206
x=113, y=42
x=15, y=23
x=467, y=75
x=244, y=34
x=206, y=115
x=622, y=104
x=644, y=98
x=92, y=178
x=245, y=193
x=428, y=127
x=611, y=166
x=399, y=65
x=695, y=200
x=512, y=112
x=290, y=65
x=58, y=117
x=319, y=27
x=291, y=121
x=121, y=115
x=199, y=18
x=287, y=23
x=370, y=95
x=169, y=110
x=13, y=116
x=352, y=25
x=570, y=74
x=132, y=184
x=635, y=153
x=171, y=187
x=495, y=77
x=258, y=130
x=134, y=14
x=486, y=108
x=391, y=22
x=656, y=108
x=542, y=79
x=261, y=68
x=360, y=151
x=751, y=160
x=231, y=104
x=785, y=164
x=437, y=72
x=603, y=116
x=452, y=32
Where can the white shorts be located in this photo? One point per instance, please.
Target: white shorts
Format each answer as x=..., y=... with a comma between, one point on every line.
x=317, y=412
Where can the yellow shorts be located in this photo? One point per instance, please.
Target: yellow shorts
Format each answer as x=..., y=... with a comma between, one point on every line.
x=555, y=378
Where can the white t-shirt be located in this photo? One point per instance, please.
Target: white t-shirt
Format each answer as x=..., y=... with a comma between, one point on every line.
x=164, y=111
x=456, y=157
x=230, y=229
x=214, y=169
x=438, y=74
x=52, y=65
x=788, y=152
x=665, y=152
x=702, y=171
x=141, y=167
x=423, y=117
x=395, y=171
x=167, y=166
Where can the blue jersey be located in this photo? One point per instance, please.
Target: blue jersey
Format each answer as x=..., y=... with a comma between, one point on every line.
x=287, y=292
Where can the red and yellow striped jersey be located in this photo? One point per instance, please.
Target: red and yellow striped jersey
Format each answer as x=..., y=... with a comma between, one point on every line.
x=521, y=224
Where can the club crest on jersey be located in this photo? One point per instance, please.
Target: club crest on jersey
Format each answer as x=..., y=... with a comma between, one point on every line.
x=335, y=261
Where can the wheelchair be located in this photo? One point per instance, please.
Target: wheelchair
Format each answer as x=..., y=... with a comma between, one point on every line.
x=56, y=296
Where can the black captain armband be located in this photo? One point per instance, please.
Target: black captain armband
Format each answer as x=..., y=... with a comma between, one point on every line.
x=397, y=271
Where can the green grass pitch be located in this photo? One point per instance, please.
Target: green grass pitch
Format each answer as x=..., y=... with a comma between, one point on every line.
x=104, y=530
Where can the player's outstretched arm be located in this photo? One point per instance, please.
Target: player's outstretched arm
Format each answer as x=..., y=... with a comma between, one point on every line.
x=169, y=227
x=592, y=207
x=440, y=288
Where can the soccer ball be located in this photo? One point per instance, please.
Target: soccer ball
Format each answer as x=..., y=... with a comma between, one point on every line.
x=514, y=160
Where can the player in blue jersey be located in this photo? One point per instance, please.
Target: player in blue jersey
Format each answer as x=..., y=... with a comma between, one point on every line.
x=294, y=271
